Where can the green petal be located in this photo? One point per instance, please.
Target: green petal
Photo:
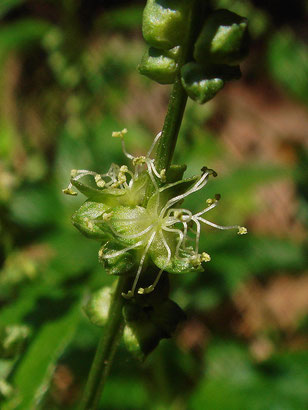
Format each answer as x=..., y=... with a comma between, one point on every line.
x=97, y=194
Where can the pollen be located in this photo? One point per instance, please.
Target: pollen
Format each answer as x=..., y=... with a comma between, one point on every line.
x=119, y=134
x=99, y=181
x=242, y=230
x=139, y=160
x=205, y=257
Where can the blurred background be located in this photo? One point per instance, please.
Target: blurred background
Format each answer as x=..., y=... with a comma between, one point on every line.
x=68, y=78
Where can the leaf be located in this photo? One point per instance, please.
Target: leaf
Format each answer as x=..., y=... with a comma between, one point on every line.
x=287, y=59
x=35, y=370
x=277, y=384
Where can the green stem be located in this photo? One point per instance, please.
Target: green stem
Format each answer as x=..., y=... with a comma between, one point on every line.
x=105, y=350
x=178, y=97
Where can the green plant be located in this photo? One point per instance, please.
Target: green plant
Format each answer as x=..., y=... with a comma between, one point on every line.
x=137, y=212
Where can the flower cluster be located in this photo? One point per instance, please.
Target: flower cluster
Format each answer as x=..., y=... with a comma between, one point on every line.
x=137, y=214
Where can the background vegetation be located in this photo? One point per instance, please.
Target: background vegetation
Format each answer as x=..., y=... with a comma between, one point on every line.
x=68, y=79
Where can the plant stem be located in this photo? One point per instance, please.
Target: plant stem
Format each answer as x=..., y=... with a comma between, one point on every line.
x=105, y=350
x=178, y=97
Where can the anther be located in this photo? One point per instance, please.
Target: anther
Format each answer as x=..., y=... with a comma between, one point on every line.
x=139, y=160
x=74, y=173
x=163, y=175
x=209, y=170
x=119, y=134
x=205, y=257
x=242, y=230
x=128, y=295
x=69, y=191
x=99, y=181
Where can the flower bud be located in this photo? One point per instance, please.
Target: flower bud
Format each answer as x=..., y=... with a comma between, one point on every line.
x=223, y=39
x=159, y=65
x=164, y=22
x=199, y=85
x=98, y=306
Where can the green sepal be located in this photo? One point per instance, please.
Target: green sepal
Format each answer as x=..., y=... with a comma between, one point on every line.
x=148, y=324
x=12, y=340
x=97, y=194
x=97, y=307
x=176, y=265
x=200, y=85
x=164, y=22
x=129, y=221
x=175, y=173
x=223, y=39
x=86, y=220
x=118, y=265
x=158, y=65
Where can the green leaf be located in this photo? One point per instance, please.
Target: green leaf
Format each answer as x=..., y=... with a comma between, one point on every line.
x=34, y=372
x=287, y=60
x=279, y=383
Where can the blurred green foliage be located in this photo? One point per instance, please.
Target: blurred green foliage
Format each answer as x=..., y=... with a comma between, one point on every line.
x=65, y=85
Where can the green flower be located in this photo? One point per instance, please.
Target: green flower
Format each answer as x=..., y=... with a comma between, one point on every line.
x=138, y=232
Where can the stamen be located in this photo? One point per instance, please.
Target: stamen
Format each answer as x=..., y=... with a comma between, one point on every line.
x=130, y=293
x=181, y=237
x=206, y=209
x=197, y=234
x=69, y=190
x=163, y=175
x=121, y=134
x=99, y=181
x=150, y=288
x=118, y=253
x=154, y=143
x=167, y=248
x=205, y=257
x=137, y=235
x=219, y=226
x=242, y=230
x=196, y=187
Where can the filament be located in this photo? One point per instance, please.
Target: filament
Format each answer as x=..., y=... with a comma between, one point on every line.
x=118, y=253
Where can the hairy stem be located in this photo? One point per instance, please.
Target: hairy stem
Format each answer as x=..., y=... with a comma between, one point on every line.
x=105, y=350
